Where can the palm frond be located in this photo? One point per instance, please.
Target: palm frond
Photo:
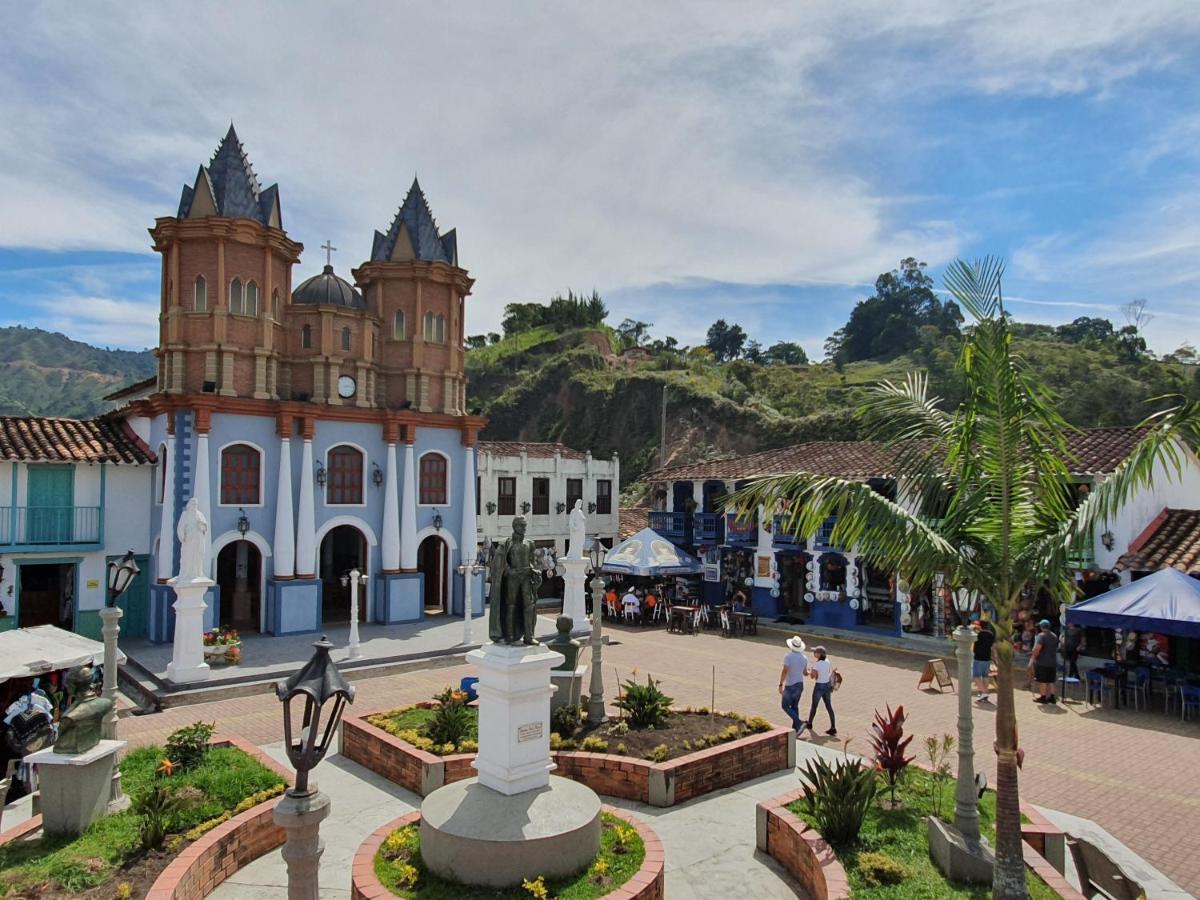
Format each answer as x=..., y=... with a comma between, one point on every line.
x=976, y=286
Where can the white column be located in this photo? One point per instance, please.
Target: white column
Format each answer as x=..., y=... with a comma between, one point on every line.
x=408, y=512
x=187, y=654
x=283, y=553
x=574, y=585
x=200, y=488
x=390, y=550
x=306, y=524
x=166, y=528
x=468, y=538
x=355, y=652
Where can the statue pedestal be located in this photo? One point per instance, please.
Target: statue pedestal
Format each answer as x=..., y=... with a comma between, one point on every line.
x=574, y=587
x=187, y=658
x=514, y=716
x=76, y=787
x=568, y=686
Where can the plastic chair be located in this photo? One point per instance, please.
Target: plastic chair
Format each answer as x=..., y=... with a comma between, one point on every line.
x=1095, y=684
x=1141, y=687
x=1189, y=697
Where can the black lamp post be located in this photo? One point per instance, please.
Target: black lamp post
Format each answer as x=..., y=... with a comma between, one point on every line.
x=595, y=710
x=319, y=683
x=120, y=577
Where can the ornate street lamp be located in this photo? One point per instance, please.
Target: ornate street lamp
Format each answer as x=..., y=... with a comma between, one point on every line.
x=321, y=475
x=595, y=712
x=120, y=577
x=966, y=802
x=243, y=522
x=376, y=475
x=468, y=568
x=353, y=578
x=324, y=693
x=437, y=521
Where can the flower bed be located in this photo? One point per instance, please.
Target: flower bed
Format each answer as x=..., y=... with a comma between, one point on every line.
x=629, y=867
x=787, y=832
x=739, y=757
x=230, y=782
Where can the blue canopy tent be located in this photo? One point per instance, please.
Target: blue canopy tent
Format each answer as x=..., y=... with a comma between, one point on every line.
x=1167, y=602
x=650, y=554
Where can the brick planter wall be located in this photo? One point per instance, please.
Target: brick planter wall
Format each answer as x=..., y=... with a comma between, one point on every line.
x=659, y=784
x=800, y=849
x=646, y=884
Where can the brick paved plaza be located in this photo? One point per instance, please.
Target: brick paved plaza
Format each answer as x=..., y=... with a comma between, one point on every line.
x=1135, y=773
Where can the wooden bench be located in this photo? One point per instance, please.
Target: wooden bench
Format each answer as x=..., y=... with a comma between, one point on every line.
x=1100, y=875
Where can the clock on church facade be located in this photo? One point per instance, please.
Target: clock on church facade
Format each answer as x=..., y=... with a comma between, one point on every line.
x=325, y=416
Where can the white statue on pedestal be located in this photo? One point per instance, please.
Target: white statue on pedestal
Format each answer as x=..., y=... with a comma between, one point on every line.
x=578, y=523
x=194, y=542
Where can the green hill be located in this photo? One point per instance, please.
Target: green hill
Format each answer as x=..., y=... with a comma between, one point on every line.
x=44, y=373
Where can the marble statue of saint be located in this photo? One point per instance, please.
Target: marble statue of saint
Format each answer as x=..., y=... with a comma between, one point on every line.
x=194, y=542
x=515, y=579
x=578, y=523
x=79, y=729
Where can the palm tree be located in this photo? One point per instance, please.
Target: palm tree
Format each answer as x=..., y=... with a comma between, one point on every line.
x=996, y=471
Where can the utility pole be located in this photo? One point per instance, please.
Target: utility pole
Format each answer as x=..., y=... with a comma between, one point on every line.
x=662, y=432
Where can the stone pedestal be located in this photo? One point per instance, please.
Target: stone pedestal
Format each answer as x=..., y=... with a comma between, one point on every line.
x=301, y=817
x=187, y=659
x=574, y=597
x=514, y=716
x=568, y=687
x=956, y=857
x=76, y=788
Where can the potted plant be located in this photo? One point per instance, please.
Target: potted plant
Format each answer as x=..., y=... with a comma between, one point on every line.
x=222, y=643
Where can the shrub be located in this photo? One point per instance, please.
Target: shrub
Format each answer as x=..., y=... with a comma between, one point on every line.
x=565, y=720
x=594, y=744
x=838, y=797
x=619, y=729
x=621, y=749
x=659, y=753
x=728, y=733
x=757, y=725
x=878, y=870
x=451, y=720
x=400, y=844
x=536, y=888
x=124, y=891
x=187, y=746
x=646, y=705
x=889, y=743
x=938, y=750
x=155, y=806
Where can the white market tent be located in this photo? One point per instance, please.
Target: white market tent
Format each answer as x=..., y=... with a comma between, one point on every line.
x=27, y=652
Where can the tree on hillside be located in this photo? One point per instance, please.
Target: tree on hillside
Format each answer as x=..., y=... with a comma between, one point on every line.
x=888, y=324
x=561, y=313
x=999, y=468
x=1085, y=329
x=633, y=333
x=475, y=341
x=753, y=352
x=785, y=353
x=725, y=341
x=1130, y=344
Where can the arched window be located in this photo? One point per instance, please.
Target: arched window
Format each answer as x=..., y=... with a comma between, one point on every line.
x=433, y=479
x=306, y=337
x=240, y=481
x=398, y=325
x=346, y=340
x=345, y=476
x=430, y=326
x=236, y=301
x=439, y=331
x=251, y=298
x=200, y=303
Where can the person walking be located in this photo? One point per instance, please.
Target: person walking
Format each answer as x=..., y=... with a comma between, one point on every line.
x=981, y=665
x=791, y=681
x=1043, y=664
x=822, y=673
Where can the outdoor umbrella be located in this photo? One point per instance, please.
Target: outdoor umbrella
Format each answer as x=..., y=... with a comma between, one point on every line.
x=650, y=554
x=1167, y=602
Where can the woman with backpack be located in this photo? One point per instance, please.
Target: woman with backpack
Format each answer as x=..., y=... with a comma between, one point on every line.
x=827, y=678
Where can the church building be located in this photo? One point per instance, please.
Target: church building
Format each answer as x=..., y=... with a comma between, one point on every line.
x=319, y=421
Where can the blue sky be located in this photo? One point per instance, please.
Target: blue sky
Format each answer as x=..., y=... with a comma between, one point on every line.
x=688, y=162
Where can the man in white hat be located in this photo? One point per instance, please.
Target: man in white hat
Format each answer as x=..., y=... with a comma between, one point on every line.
x=791, y=680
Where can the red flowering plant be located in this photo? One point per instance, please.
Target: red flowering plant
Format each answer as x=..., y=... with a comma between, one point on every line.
x=889, y=743
x=221, y=637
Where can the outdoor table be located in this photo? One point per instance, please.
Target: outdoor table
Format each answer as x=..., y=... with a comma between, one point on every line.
x=743, y=622
x=682, y=618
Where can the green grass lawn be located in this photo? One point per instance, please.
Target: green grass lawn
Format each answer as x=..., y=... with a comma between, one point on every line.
x=900, y=835
x=621, y=855
x=225, y=778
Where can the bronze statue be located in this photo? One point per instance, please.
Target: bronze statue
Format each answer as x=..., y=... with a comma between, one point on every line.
x=513, y=598
x=79, y=727
x=562, y=643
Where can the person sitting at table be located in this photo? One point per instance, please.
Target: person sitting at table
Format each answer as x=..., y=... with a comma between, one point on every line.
x=739, y=602
x=648, y=606
x=610, y=601
x=631, y=604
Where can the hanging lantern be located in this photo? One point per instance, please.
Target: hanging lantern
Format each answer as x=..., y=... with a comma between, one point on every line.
x=325, y=695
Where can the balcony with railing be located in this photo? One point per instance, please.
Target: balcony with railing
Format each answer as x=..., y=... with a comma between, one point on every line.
x=708, y=528
x=823, y=540
x=782, y=536
x=1082, y=554
x=671, y=525
x=741, y=532
x=49, y=526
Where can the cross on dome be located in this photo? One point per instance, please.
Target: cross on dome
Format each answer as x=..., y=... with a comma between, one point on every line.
x=329, y=251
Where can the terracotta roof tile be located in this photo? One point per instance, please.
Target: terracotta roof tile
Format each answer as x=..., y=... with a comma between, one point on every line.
x=1171, y=541
x=531, y=448
x=633, y=520
x=1095, y=451
x=43, y=439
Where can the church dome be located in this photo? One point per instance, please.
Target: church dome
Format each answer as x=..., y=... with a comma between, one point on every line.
x=328, y=289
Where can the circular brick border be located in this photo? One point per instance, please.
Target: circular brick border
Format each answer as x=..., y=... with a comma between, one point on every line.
x=646, y=884
x=800, y=849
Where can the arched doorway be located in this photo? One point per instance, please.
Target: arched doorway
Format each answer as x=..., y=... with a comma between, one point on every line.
x=433, y=560
x=344, y=548
x=239, y=575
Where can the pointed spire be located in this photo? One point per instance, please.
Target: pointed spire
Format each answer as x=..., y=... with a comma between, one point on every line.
x=236, y=192
x=415, y=221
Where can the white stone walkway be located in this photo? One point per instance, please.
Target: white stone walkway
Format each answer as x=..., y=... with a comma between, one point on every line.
x=709, y=843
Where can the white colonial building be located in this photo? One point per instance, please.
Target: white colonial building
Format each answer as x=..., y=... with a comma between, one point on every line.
x=542, y=482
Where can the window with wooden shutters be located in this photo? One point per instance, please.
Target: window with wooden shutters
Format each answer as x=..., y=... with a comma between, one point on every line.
x=574, y=492
x=541, y=496
x=345, y=476
x=506, y=496
x=433, y=479
x=240, y=470
x=603, y=496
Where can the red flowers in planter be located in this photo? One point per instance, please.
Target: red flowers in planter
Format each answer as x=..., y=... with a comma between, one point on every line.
x=889, y=743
